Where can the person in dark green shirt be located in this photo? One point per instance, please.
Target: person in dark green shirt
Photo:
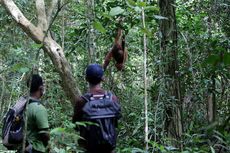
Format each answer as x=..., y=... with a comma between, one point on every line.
x=37, y=123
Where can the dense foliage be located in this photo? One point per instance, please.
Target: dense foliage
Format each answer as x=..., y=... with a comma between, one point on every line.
x=203, y=57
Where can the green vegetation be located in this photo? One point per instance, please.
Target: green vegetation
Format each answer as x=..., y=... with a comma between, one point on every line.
x=188, y=61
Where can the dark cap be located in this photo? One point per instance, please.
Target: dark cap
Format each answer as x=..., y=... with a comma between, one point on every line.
x=94, y=71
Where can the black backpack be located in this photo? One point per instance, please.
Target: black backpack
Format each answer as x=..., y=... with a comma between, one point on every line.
x=13, y=123
x=102, y=112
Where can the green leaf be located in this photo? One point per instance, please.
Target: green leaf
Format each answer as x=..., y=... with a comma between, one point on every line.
x=162, y=148
x=57, y=130
x=152, y=8
x=84, y=124
x=141, y=4
x=70, y=125
x=106, y=15
x=212, y=59
x=24, y=69
x=17, y=67
x=132, y=114
x=36, y=46
x=146, y=31
x=135, y=150
x=91, y=123
x=212, y=149
x=116, y=11
x=170, y=148
x=98, y=26
x=160, y=17
x=131, y=3
x=226, y=59
x=137, y=9
x=56, y=149
x=81, y=124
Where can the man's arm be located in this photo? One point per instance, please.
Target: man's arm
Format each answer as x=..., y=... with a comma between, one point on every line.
x=42, y=124
x=44, y=136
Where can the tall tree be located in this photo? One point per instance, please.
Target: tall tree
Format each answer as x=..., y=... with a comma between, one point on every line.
x=91, y=32
x=145, y=82
x=169, y=38
x=40, y=34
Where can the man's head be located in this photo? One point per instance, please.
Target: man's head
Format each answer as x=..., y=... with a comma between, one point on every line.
x=36, y=85
x=94, y=74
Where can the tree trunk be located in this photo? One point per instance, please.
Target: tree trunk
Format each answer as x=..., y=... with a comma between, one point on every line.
x=2, y=90
x=91, y=32
x=211, y=101
x=168, y=30
x=62, y=66
x=50, y=46
x=145, y=83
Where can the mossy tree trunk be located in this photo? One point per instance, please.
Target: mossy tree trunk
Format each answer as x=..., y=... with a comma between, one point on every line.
x=168, y=29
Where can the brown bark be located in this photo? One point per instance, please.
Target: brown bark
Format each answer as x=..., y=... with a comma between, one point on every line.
x=168, y=30
x=50, y=46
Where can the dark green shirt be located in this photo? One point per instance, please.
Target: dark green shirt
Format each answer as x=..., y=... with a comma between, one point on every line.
x=37, y=123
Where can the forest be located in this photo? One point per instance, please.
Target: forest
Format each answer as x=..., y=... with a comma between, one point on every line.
x=174, y=89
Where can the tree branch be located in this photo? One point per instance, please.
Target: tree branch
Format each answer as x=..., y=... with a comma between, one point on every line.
x=51, y=7
x=41, y=14
x=34, y=32
x=55, y=15
x=50, y=46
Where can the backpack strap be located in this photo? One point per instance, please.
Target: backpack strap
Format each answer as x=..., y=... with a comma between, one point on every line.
x=20, y=105
x=109, y=95
x=86, y=97
x=89, y=96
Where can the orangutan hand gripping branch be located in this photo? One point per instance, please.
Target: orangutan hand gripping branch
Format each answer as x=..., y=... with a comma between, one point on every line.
x=118, y=52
